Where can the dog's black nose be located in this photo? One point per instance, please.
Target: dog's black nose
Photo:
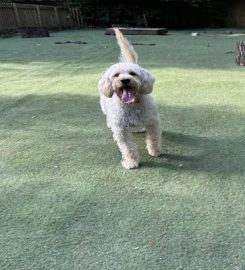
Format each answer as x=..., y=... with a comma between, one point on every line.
x=125, y=81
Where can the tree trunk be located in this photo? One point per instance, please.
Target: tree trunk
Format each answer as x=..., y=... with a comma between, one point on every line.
x=240, y=53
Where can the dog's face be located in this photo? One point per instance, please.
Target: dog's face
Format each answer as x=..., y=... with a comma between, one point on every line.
x=128, y=81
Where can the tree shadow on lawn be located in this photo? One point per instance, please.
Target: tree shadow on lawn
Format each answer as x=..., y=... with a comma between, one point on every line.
x=93, y=221
x=212, y=139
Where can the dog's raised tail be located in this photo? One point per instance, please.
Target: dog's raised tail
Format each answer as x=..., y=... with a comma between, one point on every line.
x=128, y=54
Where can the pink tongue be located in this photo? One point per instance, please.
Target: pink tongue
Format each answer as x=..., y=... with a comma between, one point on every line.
x=128, y=96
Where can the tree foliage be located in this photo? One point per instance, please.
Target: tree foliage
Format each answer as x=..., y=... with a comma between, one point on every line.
x=169, y=13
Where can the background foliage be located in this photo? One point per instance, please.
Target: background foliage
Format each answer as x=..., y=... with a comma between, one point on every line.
x=173, y=14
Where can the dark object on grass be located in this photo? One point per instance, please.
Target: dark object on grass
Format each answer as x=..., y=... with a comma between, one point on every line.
x=240, y=53
x=119, y=25
x=69, y=42
x=33, y=32
x=147, y=44
x=229, y=52
x=138, y=31
x=7, y=33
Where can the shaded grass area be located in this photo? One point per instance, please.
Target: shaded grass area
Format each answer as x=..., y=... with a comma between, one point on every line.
x=65, y=200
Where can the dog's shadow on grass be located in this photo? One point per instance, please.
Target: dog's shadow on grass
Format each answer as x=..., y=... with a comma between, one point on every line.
x=218, y=156
x=202, y=138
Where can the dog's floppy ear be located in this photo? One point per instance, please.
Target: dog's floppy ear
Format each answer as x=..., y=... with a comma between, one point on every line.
x=147, y=82
x=105, y=86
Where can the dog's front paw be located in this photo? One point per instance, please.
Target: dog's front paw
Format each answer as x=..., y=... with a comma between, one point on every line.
x=155, y=152
x=130, y=163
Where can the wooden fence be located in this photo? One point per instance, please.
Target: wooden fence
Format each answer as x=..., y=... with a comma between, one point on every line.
x=13, y=16
x=236, y=14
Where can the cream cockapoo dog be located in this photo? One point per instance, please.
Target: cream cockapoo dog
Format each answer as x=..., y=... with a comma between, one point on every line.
x=126, y=101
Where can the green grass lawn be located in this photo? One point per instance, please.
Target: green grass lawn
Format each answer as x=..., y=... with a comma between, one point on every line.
x=65, y=201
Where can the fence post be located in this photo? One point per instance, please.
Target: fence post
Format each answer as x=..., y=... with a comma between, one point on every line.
x=16, y=13
x=39, y=15
x=57, y=17
x=77, y=19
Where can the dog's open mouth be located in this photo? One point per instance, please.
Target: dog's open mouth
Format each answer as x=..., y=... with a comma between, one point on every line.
x=127, y=96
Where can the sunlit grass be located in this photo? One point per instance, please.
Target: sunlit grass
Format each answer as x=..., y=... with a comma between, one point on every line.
x=65, y=200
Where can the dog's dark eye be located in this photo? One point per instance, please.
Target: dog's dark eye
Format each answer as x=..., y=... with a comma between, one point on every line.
x=132, y=73
x=116, y=75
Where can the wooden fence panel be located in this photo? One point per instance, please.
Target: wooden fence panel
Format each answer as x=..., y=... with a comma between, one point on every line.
x=236, y=14
x=77, y=17
x=7, y=17
x=48, y=17
x=13, y=16
x=64, y=17
x=28, y=16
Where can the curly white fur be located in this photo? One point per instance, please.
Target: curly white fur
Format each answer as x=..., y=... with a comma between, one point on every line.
x=126, y=101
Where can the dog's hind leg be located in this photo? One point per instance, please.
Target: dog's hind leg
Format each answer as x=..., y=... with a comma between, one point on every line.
x=130, y=156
